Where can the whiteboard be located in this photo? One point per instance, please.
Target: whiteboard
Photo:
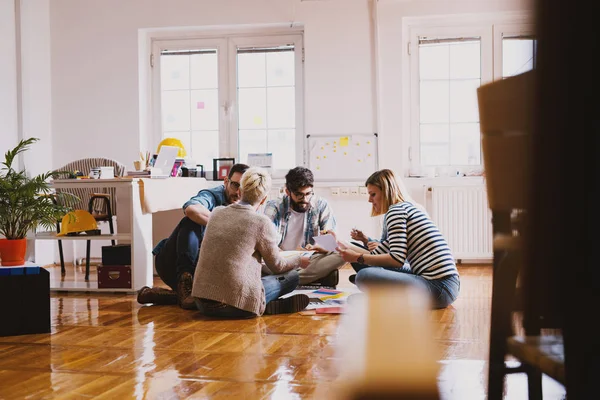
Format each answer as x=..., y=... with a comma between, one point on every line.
x=342, y=157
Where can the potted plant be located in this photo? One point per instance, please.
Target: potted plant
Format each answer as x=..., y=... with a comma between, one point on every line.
x=26, y=203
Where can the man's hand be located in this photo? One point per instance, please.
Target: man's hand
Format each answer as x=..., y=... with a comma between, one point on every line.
x=357, y=234
x=315, y=248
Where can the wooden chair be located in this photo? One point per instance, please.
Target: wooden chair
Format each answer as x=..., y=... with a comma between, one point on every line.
x=506, y=110
x=102, y=205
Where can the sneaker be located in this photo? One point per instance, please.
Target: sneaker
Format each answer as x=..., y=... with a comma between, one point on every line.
x=292, y=304
x=184, y=292
x=156, y=295
x=352, y=278
x=331, y=280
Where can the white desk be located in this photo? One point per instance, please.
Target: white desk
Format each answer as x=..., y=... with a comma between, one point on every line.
x=136, y=200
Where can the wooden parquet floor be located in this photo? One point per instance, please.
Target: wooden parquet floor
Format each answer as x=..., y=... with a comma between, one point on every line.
x=107, y=346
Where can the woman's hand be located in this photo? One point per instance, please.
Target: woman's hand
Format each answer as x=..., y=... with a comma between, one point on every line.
x=372, y=245
x=347, y=254
x=357, y=234
x=304, y=262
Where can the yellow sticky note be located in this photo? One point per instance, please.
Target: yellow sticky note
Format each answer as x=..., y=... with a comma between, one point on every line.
x=258, y=120
x=334, y=150
x=318, y=158
x=322, y=148
x=368, y=142
x=344, y=141
x=324, y=156
x=345, y=153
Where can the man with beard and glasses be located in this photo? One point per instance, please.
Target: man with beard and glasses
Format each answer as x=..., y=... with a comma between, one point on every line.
x=299, y=216
x=176, y=256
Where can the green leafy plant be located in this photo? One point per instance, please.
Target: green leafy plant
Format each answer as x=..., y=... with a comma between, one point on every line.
x=27, y=203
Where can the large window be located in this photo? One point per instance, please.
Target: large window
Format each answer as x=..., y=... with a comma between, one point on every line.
x=447, y=65
x=228, y=97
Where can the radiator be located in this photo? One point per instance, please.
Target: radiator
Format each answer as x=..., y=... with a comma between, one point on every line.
x=463, y=217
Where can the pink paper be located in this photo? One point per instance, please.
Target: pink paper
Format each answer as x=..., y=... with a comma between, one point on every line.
x=200, y=105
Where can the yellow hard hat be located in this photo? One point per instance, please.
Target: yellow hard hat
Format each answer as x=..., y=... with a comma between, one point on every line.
x=78, y=221
x=173, y=142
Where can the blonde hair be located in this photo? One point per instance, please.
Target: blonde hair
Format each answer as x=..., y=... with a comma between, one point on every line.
x=255, y=185
x=392, y=190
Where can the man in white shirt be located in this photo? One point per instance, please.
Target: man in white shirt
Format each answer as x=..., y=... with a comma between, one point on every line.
x=299, y=216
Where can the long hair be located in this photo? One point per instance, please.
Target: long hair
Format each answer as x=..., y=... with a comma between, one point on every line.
x=255, y=185
x=392, y=190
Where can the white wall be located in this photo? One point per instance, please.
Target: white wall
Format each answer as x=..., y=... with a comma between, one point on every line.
x=8, y=78
x=95, y=65
x=94, y=74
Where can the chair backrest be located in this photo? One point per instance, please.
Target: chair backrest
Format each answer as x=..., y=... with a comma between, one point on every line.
x=506, y=115
x=85, y=165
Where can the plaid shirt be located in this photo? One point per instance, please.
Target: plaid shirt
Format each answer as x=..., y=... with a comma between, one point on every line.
x=319, y=217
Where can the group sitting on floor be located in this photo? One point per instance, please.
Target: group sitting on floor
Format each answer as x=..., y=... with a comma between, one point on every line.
x=224, y=257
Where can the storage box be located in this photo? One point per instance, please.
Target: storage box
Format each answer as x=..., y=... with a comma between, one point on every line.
x=114, y=277
x=119, y=254
x=24, y=301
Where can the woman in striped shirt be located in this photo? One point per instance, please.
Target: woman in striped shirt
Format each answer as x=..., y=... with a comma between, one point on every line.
x=412, y=251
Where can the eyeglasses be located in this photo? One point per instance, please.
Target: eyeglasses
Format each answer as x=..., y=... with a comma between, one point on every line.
x=302, y=196
x=234, y=185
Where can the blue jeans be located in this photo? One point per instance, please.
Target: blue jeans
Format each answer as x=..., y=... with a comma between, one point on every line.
x=179, y=252
x=442, y=291
x=275, y=287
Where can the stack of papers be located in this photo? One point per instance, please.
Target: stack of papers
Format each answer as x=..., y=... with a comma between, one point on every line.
x=326, y=301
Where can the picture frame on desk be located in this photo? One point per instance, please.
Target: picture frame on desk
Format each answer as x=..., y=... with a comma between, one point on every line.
x=221, y=168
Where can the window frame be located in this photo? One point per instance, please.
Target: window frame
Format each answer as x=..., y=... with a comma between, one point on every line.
x=490, y=28
x=226, y=45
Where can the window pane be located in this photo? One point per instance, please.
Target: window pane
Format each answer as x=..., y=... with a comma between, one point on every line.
x=434, y=105
x=435, y=154
x=252, y=141
x=465, y=60
x=205, y=147
x=175, y=110
x=204, y=71
x=282, y=144
x=465, y=147
x=281, y=107
x=434, y=61
x=174, y=72
x=435, y=133
x=517, y=56
x=463, y=100
x=251, y=70
x=205, y=109
x=252, y=108
x=280, y=68
x=267, y=101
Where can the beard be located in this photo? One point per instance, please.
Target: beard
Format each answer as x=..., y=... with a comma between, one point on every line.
x=301, y=207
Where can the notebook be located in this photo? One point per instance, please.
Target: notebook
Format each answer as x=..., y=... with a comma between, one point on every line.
x=164, y=162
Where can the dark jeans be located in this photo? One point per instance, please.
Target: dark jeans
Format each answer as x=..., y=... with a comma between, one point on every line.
x=179, y=252
x=275, y=287
x=442, y=291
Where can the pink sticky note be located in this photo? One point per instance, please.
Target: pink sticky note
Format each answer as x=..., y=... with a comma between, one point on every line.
x=200, y=105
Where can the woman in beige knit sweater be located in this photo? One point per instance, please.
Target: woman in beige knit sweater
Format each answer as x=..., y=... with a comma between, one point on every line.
x=227, y=281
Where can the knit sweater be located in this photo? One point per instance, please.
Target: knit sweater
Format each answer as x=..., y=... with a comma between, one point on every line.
x=229, y=265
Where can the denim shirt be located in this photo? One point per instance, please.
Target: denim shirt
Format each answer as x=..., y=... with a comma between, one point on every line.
x=209, y=198
x=319, y=217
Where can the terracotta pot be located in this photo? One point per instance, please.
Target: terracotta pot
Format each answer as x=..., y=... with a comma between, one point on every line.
x=12, y=252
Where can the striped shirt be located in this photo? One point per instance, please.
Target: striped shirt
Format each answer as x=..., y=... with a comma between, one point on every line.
x=319, y=217
x=413, y=238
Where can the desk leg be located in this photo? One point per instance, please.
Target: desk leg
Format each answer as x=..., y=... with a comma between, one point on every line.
x=141, y=242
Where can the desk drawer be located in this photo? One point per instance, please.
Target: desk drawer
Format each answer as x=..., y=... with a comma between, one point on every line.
x=114, y=277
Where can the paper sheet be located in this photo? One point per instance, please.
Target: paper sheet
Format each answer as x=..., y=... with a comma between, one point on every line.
x=327, y=242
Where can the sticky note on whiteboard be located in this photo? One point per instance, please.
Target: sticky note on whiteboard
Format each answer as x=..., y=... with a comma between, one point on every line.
x=344, y=141
x=200, y=105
